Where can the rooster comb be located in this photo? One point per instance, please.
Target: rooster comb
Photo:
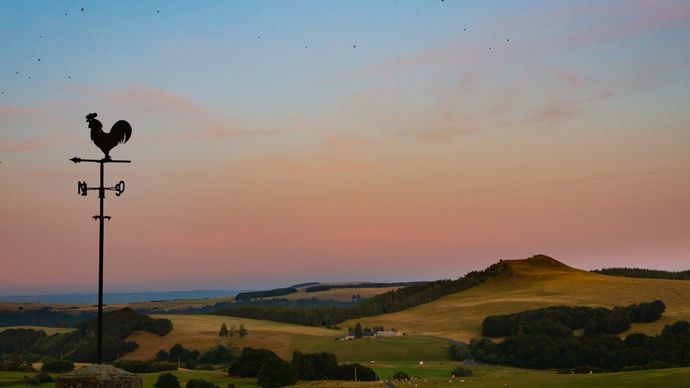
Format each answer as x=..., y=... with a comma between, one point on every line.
x=91, y=116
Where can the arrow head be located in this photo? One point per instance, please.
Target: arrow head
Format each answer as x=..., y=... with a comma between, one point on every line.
x=76, y=160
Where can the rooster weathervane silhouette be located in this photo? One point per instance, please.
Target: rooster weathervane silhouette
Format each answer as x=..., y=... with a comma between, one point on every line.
x=106, y=141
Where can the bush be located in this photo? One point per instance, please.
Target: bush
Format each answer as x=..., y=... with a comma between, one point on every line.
x=162, y=355
x=158, y=326
x=216, y=355
x=458, y=352
x=200, y=383
x=57, y=366
x=461, y=372
x=315, y=366
x=276, y=373
x=250, y=362
x=36, y=379
x=400, y=376
x=15, y=364
x=179, y=353
x=167, y=380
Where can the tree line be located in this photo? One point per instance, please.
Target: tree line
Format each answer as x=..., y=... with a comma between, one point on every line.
x=560, y=321
x=265, y=294
x=80, y=345
x=326, y=287
x=388, y=302
x=44, y=316
x=590, y=353
x=544, y=338
x=271, y=371
x=644, y=273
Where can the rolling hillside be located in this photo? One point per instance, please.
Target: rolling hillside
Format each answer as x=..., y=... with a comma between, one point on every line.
x=536, y=282
x=201, y=332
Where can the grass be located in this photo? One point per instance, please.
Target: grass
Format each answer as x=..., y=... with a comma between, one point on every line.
x=536, y=284
x=437, y=375
x=201, y=332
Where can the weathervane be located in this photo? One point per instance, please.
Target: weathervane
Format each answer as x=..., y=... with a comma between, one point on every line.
x=120, y=133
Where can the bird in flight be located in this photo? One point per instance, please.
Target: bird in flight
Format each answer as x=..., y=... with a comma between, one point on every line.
x=82, y=9
x=106, y=141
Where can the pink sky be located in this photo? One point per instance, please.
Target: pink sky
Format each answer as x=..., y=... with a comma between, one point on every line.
x=394, y=163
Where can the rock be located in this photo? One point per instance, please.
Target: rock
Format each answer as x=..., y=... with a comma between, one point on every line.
x=99, y=376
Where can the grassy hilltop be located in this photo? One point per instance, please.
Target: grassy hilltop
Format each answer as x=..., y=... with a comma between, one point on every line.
x=532, y=283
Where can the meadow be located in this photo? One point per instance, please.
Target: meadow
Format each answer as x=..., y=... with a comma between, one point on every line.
x=437, y=375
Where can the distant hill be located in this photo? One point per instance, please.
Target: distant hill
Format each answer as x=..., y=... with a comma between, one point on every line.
x=536, y=282
x=117, y=298
x=643, y=273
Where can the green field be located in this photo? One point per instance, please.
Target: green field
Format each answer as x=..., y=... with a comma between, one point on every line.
x=437, y=375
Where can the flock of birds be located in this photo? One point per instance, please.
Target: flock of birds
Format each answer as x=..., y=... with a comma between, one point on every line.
x=2, y=92
x=69, y=76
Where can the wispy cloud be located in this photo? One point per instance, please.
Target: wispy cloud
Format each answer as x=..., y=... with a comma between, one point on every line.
x=557, y=112
x=621, y=175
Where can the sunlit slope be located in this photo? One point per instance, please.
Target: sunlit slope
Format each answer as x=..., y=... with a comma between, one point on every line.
x=535, y=282
x=201, y=332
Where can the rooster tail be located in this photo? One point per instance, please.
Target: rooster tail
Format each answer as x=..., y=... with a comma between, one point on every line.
x=122, y=131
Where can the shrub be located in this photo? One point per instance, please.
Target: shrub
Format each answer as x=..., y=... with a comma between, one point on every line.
x=250, y=362
x=35, y=379
x=461, y=372
x=401, y=376
x=57, y=366
x=315, y=366
x=276, y=373
x=179, y=353
x=216, y=355
x=200, y=383
x=167, y=380
x=162, y=355
x=458, y=352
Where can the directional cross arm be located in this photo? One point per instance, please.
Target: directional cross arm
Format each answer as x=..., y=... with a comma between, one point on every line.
x=104, y=160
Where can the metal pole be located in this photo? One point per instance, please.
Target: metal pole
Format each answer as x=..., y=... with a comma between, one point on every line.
x=101, y=195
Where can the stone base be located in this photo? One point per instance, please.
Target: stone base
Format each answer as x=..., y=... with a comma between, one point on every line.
x=99, y=376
